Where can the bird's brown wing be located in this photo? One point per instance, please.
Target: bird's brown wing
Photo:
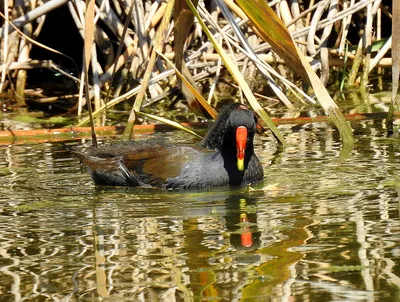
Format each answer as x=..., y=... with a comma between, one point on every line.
x=156, y=166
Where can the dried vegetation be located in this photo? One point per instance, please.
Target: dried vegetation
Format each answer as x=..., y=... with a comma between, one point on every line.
x=42, y=53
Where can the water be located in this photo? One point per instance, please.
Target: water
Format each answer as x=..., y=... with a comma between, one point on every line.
x=324, y=226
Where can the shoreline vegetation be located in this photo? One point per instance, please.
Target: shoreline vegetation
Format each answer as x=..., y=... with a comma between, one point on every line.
x=23, y=136
x=141, y=54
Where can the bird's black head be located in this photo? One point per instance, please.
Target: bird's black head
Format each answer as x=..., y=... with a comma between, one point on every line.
x=240, y=130
x=229, y=119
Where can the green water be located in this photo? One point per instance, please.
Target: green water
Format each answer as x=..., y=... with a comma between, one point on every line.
x=324, y=226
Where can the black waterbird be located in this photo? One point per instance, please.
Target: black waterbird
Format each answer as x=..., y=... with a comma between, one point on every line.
x=226, y=158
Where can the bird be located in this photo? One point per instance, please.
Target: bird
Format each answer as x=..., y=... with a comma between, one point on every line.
x=224, y=158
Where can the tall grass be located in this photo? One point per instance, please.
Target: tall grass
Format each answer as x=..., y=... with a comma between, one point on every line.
x=345, y=38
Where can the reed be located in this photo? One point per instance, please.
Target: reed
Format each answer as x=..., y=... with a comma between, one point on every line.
x=346, y=38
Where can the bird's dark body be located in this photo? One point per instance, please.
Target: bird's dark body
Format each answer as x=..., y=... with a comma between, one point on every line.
x=156, y=163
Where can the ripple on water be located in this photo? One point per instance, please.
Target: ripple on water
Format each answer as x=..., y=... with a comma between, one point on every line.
x=325, y=228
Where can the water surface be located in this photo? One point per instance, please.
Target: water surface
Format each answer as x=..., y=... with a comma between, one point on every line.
x=324, y=226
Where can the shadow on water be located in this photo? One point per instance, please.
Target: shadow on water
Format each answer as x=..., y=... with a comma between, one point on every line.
x=324, y=226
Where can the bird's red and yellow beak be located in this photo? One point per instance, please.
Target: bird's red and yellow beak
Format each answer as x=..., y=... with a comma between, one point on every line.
x=241, y=139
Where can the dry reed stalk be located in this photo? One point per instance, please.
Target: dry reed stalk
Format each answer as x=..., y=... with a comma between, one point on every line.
x=158, y=46
x=286, y=14
x=263, y=68
x=324, y=51
x=367, y=39
x=96, y=71
x=155, y=15
x=396, y=52
x=379, y=37
x=4, y=54
x=116, y=58
x=345, y=28
x=314, y=26
x=24, y=50
x=135, y=30
x=325, y=22
x=297, y=15
x=32, y=15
